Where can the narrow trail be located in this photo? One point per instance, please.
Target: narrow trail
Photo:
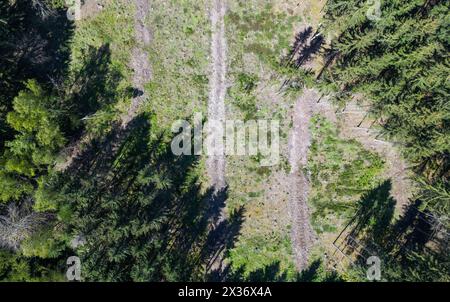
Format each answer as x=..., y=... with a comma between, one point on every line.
x=215, y=163
x=139, y=59
x=299, y=141
x=353, y=126
x=302, y=234
x=140, y=65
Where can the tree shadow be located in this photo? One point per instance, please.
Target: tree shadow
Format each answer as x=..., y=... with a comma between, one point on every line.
x=91, y=90
x=129, y=186
x=269, y=273
x=376, y=210
x=329, y=55
x=31, y=47
x=35, y=47
x=399, y=242
x=309, y=50
x=300, y=40
x=417, y=246
x=369, y=227
x=315, y=272
x=305, y=46
x=220, y=241
x=412, y=231
x=95, y=85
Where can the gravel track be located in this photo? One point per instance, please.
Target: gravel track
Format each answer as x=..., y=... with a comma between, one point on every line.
x=302, y=235
x=216, y=102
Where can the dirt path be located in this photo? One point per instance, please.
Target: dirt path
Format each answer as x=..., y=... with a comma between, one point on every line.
x=216, y=103
x=140, y=65
x=139, y=60
x=302, y=235
x=215, y=163
x=353, y=125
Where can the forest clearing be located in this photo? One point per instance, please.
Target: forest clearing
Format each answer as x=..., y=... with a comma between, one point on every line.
x=358, y=92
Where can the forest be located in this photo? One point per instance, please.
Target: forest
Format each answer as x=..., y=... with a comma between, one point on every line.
x=86, y=172
x=400, y=62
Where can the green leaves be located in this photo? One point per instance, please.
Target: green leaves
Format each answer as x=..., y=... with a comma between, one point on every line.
x=39, y=136
x=13, y=187
x=341, y=170
x=400, y=63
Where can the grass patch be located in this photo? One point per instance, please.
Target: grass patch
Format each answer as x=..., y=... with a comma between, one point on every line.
x=99, y=72
x=258, y=36
x=341, y=171
x=179, y=58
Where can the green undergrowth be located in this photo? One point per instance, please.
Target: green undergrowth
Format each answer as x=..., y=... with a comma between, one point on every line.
x=179, y=56
x=258, y=37
x=340, y=172
x=100, y=75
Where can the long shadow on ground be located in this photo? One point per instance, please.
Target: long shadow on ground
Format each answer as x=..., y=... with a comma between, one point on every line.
x=141, y=209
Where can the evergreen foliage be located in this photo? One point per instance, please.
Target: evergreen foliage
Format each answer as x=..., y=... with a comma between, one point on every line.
x=400, y=62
